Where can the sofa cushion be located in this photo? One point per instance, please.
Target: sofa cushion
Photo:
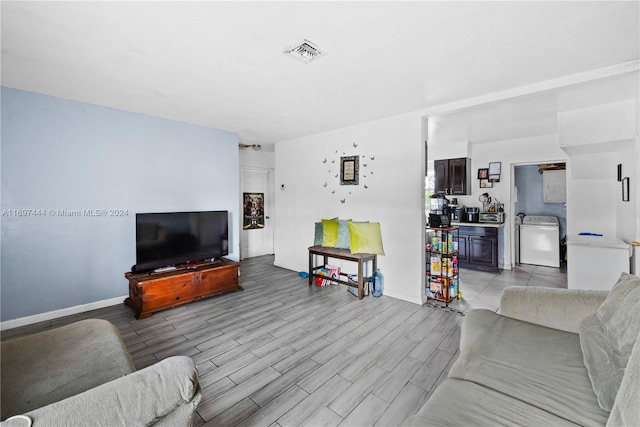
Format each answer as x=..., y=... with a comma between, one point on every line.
x=626, y=411
x=462, y=403
x=532, y=363
x=165, y=393
x=49, y=366
x=608, y=336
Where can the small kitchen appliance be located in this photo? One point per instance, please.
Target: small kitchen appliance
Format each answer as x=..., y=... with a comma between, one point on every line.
x=457, y=214
x=454, y=212
x=472, y=214
x=439, y=215
x=491, y=217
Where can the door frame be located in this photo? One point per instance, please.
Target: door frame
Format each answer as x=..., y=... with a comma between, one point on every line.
x=269, y=204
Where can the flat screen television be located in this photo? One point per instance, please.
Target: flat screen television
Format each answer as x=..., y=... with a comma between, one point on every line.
x=171, y=238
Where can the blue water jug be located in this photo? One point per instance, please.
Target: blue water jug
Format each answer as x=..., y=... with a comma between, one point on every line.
x=377, y=280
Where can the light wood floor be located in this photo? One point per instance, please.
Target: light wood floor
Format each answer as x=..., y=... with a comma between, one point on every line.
x=282, y=353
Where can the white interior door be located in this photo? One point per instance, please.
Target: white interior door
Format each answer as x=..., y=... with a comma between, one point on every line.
x=259, y=240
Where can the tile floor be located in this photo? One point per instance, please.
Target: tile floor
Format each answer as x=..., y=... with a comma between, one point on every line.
x=482, y=289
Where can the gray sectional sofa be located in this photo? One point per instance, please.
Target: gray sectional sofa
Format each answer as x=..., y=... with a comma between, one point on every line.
x=552, y=357
x=82, y=375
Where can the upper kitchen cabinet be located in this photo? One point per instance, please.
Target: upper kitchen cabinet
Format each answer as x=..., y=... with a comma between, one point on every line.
x=555, y=186
x=453, y=176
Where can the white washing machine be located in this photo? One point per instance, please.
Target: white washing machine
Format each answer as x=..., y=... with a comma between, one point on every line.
x=540, y=240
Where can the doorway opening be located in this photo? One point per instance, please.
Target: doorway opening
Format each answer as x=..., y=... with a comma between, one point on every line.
x=256, y=234
x=539, y=193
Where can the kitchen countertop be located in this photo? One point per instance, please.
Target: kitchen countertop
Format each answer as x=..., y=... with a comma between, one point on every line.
x=476, y=224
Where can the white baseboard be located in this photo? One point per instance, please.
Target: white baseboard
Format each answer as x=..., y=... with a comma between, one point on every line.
x=402, y=296
x=42, y=317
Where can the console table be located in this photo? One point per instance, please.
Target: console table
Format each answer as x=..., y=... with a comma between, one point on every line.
x=152, y=292
x=343, y=254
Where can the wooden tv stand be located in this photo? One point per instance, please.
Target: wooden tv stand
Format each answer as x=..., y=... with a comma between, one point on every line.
x=151, y=292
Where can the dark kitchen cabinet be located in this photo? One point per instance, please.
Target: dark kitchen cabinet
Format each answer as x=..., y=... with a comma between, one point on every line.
x=453, y=176
x=463, y=245
x=478, y=248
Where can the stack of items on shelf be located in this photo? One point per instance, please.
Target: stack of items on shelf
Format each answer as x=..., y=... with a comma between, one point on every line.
x=442, y=268
x=330, y=272
x=353, y=280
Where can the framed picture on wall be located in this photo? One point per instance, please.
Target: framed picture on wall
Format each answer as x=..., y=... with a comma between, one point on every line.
x=483, y=173
x=494, y=168
x=349, y=170
x=625, y=189
x=485, y=183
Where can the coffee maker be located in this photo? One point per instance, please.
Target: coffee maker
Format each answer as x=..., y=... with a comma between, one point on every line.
x=454, y=210
x=439, y=215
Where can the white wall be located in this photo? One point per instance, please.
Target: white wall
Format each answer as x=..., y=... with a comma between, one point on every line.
x=627, y=212
x=65, y=155
x=394, y=197
x=597, y=139
x=261, y=159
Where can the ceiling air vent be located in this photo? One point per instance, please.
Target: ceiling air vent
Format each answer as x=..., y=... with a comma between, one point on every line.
x=305, y=51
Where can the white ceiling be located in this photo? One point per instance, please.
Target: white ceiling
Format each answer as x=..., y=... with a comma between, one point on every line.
x=221, y=64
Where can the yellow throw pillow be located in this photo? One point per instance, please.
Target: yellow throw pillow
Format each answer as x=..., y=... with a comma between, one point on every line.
x=366, y=238
x=329, y=233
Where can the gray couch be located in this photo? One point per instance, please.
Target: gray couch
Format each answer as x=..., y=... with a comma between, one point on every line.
x=552, y=357
x=82, y=375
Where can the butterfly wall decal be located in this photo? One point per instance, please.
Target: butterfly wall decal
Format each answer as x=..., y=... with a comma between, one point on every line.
x=355, y=145
x=365, y=186
x=325, y=160
x=325, y=185
x=373, y=158
x=343, y=200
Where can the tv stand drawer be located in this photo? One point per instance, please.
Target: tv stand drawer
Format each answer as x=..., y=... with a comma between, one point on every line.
x=153, y=292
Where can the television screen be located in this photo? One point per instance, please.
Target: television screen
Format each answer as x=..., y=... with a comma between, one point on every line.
x=165, y=239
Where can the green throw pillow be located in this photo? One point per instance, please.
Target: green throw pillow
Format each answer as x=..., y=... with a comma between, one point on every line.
x=366, y=238
x=317, y=237
x=329, y=233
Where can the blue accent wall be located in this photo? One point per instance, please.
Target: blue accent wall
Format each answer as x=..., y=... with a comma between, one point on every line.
x=63, y=157
x=531, y=196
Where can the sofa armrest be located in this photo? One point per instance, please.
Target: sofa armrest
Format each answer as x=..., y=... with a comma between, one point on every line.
x=561, y=309
x=142, y=398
